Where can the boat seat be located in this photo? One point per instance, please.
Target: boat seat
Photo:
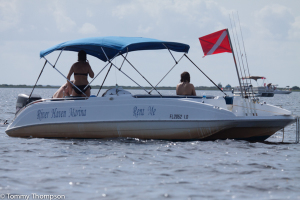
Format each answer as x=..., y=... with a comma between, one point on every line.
x=229, y=100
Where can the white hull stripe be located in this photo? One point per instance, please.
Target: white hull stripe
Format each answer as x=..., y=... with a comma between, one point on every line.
x=220, y=40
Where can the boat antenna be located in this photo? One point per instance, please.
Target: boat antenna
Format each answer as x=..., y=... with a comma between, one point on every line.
x=241, y=55
x=245, y=85
x=244, y=49
x=238, y=56
x=237, y=70
x=243, y=43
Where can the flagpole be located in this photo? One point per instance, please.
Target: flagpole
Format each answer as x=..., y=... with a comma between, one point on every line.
x=237, y=70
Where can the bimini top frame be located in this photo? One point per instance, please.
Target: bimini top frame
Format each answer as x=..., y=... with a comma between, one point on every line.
x=112, y=46
x=108, y=48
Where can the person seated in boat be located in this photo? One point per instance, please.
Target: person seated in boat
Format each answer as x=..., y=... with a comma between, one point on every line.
x=185, y=87
x=63, y=91
x=81, y=70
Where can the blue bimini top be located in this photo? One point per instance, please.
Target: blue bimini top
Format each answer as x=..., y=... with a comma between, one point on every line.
x=114, y=45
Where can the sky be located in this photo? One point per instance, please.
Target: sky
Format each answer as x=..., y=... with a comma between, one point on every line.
x=270, y=28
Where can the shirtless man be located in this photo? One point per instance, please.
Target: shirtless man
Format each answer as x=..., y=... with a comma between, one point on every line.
x=185, y=87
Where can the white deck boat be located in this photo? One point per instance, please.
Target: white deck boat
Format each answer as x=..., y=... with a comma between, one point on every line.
x=287, y=90
x=118, y=113
x=261, y=91
x=258, y=91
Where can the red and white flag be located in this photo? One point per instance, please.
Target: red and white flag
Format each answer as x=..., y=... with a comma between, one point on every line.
x=217, y=42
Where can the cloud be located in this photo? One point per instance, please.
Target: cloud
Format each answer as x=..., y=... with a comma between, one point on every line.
x=124, y=10
x=171, y=16
x=9, y=14
x=143, y=29
x=274, y=21
x=89, y=13
x=63, y=22
x=294, y=32
x=88, y=28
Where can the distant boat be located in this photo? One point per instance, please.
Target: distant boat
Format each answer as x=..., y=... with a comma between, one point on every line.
x=287, y=90
x=266, y=90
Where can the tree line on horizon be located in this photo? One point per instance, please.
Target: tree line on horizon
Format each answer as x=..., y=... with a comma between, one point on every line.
x=228, y=86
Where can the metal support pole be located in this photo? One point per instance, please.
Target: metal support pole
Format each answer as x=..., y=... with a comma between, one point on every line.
x=130, y=78
x=122, y=71
x=167, y=73
x=109, y=61
x=104, y=80
x=124, y=59
x=58, y=57
x=96, y=75
x=140, y=74
x=205, y=74
x=37, y=79
x=237, y=70
x=65, y=77
x=105, y=54
x=170, y=53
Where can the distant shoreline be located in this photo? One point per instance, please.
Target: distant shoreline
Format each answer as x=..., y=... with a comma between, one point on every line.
x=124, y=87
x=105, y=87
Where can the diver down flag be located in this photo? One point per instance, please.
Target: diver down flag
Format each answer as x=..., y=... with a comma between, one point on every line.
x=217, y=42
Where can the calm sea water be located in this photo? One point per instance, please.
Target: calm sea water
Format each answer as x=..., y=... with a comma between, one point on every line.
x=149, y=169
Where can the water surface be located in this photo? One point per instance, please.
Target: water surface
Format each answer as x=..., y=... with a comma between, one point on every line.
x=150, y=169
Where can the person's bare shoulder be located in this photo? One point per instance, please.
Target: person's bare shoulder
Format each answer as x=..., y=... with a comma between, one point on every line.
x=75, y=65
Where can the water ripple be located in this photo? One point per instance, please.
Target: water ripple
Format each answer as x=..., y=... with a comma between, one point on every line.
x=130, y=168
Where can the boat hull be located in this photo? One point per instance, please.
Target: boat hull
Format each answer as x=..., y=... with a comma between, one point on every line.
x=148, y=118
x=282, y=92
x=121, y=116
x=253, y=130
x=169, y=130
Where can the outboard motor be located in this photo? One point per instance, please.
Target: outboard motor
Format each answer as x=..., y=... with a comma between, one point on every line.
x=23, y=100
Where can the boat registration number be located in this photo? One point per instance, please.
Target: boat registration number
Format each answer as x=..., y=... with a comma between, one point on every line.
x=178, y=116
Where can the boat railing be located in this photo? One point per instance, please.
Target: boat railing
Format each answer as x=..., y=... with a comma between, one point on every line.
x=228, y=100
x=172, y=96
